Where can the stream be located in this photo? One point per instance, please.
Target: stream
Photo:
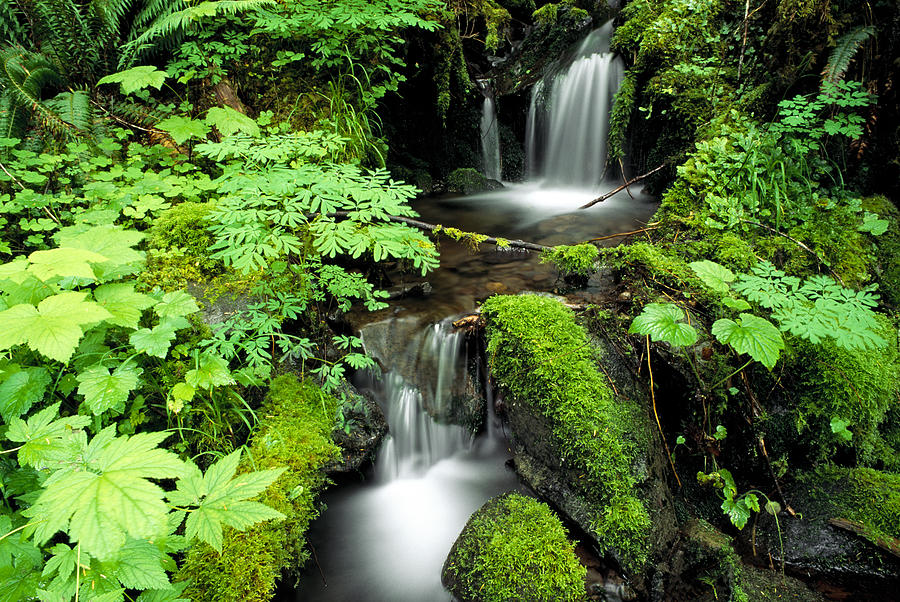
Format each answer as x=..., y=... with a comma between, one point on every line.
x=385, y=538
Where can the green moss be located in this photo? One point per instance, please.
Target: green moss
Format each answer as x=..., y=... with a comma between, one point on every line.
x=467, y=180
x=576, y=260
x=514, y=548
x=863, y=495
x=709, y=548
x=179, y=248
x=295, y=432
x=542, y=356
x=887, y=248
x=860, y=387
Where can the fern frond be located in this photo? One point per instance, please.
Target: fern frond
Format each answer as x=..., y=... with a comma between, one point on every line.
x=13, y=23
x=73, y=108
x=170, y=23
x=844, y=52
x=13, y=118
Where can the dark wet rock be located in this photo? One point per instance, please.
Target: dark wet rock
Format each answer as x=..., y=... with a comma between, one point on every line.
x=360, y=436
x=467, y=180
x=403, y=291
x=500, y=256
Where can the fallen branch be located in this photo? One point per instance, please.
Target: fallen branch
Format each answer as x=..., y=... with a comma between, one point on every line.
x=888, y=544
x=624, y=186
x=799, y=244
x=474, y=236
x=618, y=234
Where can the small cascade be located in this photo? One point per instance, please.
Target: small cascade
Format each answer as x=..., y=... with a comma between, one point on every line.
x=490, y=133
x=568, y=120
x=416, y=441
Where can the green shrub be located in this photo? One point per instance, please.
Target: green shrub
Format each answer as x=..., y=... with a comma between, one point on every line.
x=296, y=433
x=543, y=357
x=514, y=548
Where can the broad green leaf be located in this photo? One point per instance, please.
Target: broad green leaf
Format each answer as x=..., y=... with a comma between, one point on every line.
x=54, y=327
x=229, y=122
x=64, y=262
x=176, y=304
x=139, y=565
x=110, y=241
x=47, y=439
x=103, y=390
x=110, y=498
x=123, y=303
x=713, y=275
x=752, y=335
x=19, y=583
x=15, y=548
x=182, y=129
x=136, y=78
x=165, y=595
x=662, y=321
x=211, y=371
x=21, y=389
x=28, y=289
x=839, y=428
x=735, y=304
x=737, y=512
x=156, y=341
x=62, y=563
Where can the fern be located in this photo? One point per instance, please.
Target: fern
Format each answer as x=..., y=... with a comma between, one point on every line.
x=12, y=23
x=844, y=52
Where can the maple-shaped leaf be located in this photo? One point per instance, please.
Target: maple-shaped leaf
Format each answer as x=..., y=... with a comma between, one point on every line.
x=54, y=327
x=46, y=438
x=109, y=498
x=165, y=595
x=62, y=562
x=27, y=289
x=103, y=390
x=176, y=304
x=663, y=322
x=21, y=388
x=136, y=78
x=713, y=275
x=64, y=262
x=110, y=241
x=211, y=371
x=138, y=565
x=182, y=129
x=156, y=341
x=230, y=122
x=123, y=303
x=221, y=499
x=755, y=336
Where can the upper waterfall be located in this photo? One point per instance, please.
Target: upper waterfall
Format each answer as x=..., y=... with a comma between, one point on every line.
x=568, y=119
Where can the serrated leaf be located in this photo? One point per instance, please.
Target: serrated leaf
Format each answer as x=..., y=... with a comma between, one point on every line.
x=53, y=327
x=139, y=565
x=229, y=122
x=176, y=304
x=182, y=129
x=156, y=341
x=752, y=335
x=46, y=438
x=165, y=595
x=737, y=512
x=64, y=262
x=110, y=241
x=22, y=389
x=662, y=321
x=62, y=563
x=735, y=304
x=136, y=78
x=211, y=371
x=110, y=498
x=713, y=275
x=103, y=390
x=122, y=303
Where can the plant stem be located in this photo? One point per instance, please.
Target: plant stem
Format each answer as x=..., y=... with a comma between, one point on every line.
x=655, y=415
x=750, y=361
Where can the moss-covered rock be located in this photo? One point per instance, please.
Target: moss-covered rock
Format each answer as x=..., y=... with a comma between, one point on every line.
x=567, y=421
x=467, y=180
x=514, y=548
x=295, y=432
x=887, y=249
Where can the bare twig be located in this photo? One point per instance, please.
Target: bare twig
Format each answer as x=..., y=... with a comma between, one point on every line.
x=624, y=186
x=655, y=415
x=618, y=234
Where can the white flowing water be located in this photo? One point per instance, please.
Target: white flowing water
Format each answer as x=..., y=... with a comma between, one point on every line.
x=490, y=134
x=568, y=117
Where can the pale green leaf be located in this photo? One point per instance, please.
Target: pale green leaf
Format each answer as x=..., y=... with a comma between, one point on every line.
x=46, y=438
x=21, y=389
x=735, y=304
x=183, y=392
x=156, y=341
x=136, y=78
x=110, y=241
x=103, y=391
x=713, y=275
x=122, y=303
x=64, y=262
x=839, y=428
x=139, y=565
x=211, y=371
x=165, y=595
x=176, y=304
x=182, y=129
x=54, y=327
x=662, y=321
x=755, y=336
x=229, y=122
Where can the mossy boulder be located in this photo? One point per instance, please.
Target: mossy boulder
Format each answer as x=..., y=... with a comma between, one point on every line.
x=514, y=548
x=295, y=432
x=467, y=180
x=848, y=519
x=576, y=442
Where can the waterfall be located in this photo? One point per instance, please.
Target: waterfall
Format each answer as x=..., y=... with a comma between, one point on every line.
x=490, y=133
x=568, y=119
x=435, y=358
